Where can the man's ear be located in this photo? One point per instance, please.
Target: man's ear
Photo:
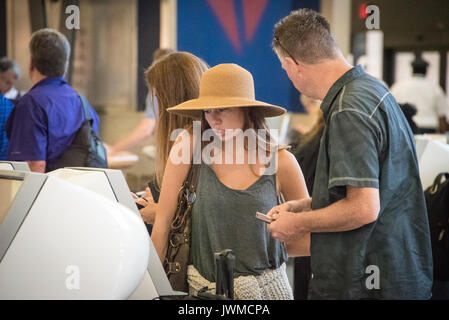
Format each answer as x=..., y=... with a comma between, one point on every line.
x=292, y=65
x=289, y=61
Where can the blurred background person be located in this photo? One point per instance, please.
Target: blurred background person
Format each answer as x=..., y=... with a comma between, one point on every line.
x=46, y=120
x=428, y=98
x=409, y=111
x=6, y=107
x=9, y=74
x=312, y=108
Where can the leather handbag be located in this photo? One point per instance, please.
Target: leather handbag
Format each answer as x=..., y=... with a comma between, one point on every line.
x=177, y=256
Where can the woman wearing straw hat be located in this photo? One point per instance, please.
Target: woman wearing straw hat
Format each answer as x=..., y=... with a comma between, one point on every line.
x=234, y=183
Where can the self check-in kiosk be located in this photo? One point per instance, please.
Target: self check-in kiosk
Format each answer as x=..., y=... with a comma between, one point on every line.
x=14, y=166
x=112, y=184
x=106, y=182
x=62, y=241
x=433, y=159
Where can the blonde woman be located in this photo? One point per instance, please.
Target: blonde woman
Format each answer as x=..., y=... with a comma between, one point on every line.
x=233, y=185
x=172, y=79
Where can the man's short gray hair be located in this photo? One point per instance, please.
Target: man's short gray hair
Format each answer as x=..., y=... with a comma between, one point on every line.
x=306, y=35
x=50, y=52
x=9, y=64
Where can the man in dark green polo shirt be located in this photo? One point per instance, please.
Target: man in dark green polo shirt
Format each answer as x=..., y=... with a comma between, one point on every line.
x=367, y=220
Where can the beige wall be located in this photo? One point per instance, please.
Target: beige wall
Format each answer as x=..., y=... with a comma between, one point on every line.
x=18, y=34
x=106, y=56
x=338, y=13
x=168, y=24
x=106, y=48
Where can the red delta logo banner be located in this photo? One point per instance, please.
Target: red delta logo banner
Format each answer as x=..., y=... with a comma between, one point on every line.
x=225, y=11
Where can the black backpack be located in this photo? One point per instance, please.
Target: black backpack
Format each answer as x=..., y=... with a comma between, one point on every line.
x=437, y=199
x=86, y=150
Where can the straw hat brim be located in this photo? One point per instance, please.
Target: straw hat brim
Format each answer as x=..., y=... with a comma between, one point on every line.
x=193, y=108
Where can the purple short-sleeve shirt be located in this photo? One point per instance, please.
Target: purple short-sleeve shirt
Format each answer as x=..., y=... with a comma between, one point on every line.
x=44, y=122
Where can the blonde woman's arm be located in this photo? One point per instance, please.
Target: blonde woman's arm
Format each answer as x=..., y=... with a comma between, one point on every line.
x=294, y=189
x=174, y=176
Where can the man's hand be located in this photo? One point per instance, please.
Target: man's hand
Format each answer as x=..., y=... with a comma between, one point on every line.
x=285, y=226
x=292, y=206
x=286, y=206
x=285, y=219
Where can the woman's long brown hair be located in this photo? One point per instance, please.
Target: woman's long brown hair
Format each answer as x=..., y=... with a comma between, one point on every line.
x=173, y=79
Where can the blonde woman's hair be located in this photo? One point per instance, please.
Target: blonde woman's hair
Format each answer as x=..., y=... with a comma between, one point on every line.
x=173, y=79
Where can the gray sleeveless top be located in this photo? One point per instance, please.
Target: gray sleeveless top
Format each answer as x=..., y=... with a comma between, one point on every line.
x=224, y=218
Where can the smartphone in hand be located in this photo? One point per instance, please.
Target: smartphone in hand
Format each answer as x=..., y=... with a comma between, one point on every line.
x=263, y=217
x=155, y=192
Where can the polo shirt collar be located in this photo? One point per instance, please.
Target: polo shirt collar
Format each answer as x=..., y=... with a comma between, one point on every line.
x=50, y=80
x=348, y=76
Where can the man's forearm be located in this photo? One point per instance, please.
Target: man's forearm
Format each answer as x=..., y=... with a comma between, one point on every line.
x=37, y=166
x=361, y=206
x=341, y=216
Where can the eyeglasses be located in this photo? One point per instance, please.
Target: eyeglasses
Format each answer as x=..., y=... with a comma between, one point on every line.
x=283, y=48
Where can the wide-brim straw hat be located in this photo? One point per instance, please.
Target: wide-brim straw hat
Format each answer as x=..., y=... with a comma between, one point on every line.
x=226, y=86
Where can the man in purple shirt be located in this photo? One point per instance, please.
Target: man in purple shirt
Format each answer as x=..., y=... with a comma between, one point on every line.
x=45, y=121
